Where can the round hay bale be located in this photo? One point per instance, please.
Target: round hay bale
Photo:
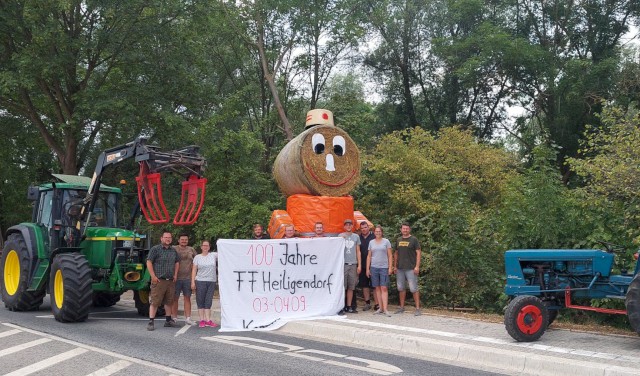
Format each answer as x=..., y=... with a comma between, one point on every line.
x=323, y=160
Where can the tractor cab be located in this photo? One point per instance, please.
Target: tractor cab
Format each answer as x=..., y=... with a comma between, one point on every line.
x=58, y=206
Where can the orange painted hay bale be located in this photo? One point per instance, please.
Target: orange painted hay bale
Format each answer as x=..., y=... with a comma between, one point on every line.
x=323, y=160
x=359, y=217
x=279, y=220
x=306, y=210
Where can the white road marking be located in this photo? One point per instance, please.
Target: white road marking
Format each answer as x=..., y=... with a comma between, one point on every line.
x=104, y=352
x=497, y=341
x=23, y=346
x=111, y=368
x=370, y=366
x=39, y=366
x=9, y=333
x=359, y=368
x=183, y=330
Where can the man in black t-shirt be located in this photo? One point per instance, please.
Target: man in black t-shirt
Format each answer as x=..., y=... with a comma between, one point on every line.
x=364, y=282
x=407, y=265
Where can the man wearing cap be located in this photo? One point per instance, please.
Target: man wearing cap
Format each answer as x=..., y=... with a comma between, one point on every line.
x=352, y=263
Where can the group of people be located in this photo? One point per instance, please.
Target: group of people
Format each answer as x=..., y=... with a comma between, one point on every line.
x=368, y=257
x=369, y=261
x=177, y=270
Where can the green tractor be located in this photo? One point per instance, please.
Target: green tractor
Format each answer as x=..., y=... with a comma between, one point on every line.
x=75, y=249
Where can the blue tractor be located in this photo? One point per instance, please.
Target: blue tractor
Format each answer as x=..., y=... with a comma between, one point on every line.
x=540, y=282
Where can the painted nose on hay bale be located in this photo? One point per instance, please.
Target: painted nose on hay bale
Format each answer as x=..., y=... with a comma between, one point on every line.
x=322, y=160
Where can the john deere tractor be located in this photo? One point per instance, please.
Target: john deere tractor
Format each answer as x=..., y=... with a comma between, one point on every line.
x=541, y=282
x=75, y=249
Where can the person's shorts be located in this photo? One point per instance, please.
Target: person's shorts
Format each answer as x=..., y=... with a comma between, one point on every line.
x=379, y=277
x=406, y=275
x=183, y=286
x=363, y=280
x=350, y=276
x=162, y=293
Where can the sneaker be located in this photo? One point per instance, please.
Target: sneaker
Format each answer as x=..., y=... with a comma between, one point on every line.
x=202, y=324
x=366, y=307
x=150, y=326
x=189, y=322
x=171, y=324
x=386, y=313
x=399, y=310
x=377, y=312
x=376, y=307
x=341, y=313
x=211, y=324
x=352, y=310
x=417, y=312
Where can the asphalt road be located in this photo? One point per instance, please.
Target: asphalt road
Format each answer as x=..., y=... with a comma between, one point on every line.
x=115, y=341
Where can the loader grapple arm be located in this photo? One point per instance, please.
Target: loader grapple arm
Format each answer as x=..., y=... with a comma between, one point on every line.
x=150, y=196
x=186, y=162
x=153, y=162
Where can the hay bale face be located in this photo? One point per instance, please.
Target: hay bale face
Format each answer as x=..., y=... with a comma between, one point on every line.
x=323, y=160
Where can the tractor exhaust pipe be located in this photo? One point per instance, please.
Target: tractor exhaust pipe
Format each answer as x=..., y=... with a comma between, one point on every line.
x=132, y=276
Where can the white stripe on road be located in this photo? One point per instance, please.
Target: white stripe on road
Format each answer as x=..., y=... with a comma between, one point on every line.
x=370, y=366
x=183, y=330
x=23, y=346
x=9, y=333
x=33, y=368
x=105, y=352
x=496, y=341
x=111, y=368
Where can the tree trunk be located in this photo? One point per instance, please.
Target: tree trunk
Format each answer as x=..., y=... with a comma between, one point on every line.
x=270, y=77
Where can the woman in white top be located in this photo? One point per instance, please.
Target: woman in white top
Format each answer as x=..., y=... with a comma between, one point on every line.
x=203, y=280
x=379, y=268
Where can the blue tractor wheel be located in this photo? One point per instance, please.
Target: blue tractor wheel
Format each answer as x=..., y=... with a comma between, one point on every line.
x=526, y=318
x=632, y=301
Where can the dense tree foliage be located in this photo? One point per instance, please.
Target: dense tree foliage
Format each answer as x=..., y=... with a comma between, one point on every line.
x=488, y=125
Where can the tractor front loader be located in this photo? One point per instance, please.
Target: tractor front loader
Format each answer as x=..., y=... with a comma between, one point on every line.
x=75, y=249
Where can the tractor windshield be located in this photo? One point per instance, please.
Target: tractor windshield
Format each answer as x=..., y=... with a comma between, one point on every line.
x=105, y=211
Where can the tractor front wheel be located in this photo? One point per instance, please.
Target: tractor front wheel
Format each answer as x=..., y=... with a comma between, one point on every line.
x=15, y=269
x=632, y=302
x=70, y=285
x=526, y=318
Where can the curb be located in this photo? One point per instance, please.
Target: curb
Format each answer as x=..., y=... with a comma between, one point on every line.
x=462, y=354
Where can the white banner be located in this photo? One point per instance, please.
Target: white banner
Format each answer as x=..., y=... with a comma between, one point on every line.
x=266, y=283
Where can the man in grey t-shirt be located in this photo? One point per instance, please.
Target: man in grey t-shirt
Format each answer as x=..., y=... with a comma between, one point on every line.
x=352, y=263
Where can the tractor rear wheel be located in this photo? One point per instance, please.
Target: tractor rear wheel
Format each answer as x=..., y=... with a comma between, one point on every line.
x=105, y=299
x=70, y=284
x=15, y=269
x=526, y=318
x=632, y=302
x=141, y=298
